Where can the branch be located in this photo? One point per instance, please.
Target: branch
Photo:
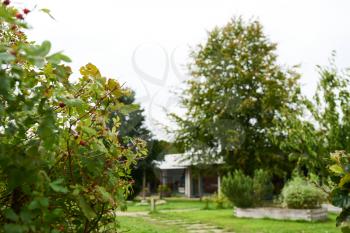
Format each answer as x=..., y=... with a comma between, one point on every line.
x=97, y=105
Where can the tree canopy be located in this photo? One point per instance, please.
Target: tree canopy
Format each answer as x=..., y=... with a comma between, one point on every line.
x=236, y=94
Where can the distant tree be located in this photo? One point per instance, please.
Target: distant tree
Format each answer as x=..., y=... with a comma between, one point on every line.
x=145, y=169
x=237, y=94
x=133, y=125
x=326, y=126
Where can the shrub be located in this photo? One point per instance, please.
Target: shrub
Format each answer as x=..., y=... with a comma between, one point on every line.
x=164, y=190
x=302, y=194
x=262, y=185
x=238, y=188
x=63, y=167
x=206, y=201
x=244, y=191
x=220, y=201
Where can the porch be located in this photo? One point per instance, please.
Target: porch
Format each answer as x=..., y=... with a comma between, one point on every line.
x=184, y=178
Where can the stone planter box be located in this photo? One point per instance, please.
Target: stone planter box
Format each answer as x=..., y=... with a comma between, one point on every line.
x=282, y=213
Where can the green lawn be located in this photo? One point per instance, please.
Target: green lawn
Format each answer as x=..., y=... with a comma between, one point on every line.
x=225, y=219
x=222, y=218
x=139, y=225
x=172, y=204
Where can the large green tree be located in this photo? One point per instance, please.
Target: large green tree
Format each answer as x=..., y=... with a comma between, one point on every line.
x=325, y=125
x=62, y=169
x=237, y=93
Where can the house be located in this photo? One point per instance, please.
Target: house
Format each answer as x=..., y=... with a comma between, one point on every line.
x=188, y=178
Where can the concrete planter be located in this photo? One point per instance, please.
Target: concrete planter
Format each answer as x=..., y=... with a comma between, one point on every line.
x=282, y=213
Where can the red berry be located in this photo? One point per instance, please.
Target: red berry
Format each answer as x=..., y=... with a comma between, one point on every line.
x=19, y=16
x=26, y=11
x=13, y=52
x=82, y=143
x=6, y=2
x=62, y=105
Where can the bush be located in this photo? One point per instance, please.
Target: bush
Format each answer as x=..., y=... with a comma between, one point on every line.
x=244, y=191
x=262, y=186
x=220, y=201
x=164, y=190
x=206, y=201
x=302, y=194
x=63, y=166
x=239, y=190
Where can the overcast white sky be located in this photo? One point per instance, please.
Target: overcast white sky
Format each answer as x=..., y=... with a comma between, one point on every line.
x=146, y=43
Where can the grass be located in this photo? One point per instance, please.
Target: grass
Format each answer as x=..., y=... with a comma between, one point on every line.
x=222, y=218
x=225, y=219
x=172, y=204
x=139, y=225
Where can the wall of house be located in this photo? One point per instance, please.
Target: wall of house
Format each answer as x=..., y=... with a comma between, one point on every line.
x=175, y=180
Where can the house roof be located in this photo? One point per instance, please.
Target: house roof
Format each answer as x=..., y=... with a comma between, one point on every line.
x=174, y=161
x=179, y=161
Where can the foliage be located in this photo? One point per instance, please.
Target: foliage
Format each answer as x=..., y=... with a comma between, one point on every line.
x=206, y=201
x=133, y=125
x=299, y=193
x=262, y=185
x=325, y=125
x=62, y=165
x=163, y=190
x=156, y=151
x=244, y=191
x=238, y=188
x=236, y=97
x=219, y=200
x=340, y=195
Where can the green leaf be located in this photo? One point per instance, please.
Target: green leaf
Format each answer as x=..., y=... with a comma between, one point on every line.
x=33, y=205
x=11, y=215
x=13, y=228
x=58, y=187
x=86, y=209
x=44, y=202
x=340, y=198
x=336, y=169
x=25, y=216
x=44, y=49
x=6, y=57
x=74, y=102
x=106, y=196
x=88, y=130
x=57, y=58
x=344, y=180
x=48, y=12
x=129, y=108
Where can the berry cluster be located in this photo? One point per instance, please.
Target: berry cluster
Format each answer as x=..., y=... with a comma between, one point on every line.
x=18, y=14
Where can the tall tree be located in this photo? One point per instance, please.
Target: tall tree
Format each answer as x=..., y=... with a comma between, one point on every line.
x=235, y=96
x=326, y=125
